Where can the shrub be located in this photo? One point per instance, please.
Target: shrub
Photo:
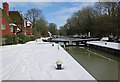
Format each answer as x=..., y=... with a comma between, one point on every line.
x=11, y=39
x=15, y=39
x=32, y=38
x=21, y=38
x=28, y=38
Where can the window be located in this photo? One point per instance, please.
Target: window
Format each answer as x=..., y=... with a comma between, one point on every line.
x=24, y=23
x=11, y=29
x=3, y=26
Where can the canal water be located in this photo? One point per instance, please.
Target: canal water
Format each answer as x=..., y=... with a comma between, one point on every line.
x=101, y=65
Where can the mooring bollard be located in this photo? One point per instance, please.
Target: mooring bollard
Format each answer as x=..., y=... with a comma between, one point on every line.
x=59, y=65
x=58, y=46
x=52, y=44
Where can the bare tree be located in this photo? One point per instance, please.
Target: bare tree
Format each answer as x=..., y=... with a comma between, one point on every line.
x=34, y=15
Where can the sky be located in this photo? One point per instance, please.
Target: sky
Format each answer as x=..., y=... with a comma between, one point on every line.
x=54, y=12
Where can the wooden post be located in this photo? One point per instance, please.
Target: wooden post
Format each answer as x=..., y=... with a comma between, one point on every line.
x=77, y=43
x=65, y=43
x=70, y=42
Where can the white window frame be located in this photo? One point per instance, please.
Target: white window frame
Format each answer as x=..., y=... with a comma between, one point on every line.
x=11, y=29
x=25, y=23
x=3, y=26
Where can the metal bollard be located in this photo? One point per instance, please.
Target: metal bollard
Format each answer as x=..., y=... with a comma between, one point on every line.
x=59, y=65
x=53, y=44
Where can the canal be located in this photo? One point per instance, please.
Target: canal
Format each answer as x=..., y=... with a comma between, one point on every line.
x=101, y=65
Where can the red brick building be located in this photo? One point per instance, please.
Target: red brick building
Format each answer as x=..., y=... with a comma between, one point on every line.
x=27, y=26
x=4, y=17
x=13, y=22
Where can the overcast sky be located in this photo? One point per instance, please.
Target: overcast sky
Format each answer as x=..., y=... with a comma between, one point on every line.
x=55, y=12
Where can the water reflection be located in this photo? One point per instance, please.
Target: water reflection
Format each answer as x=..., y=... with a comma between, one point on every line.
x=102, y=65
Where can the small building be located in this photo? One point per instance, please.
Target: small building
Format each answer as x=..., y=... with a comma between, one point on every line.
x=15, y=16
x=27, y=26
x=13, y=22
x=8, y=27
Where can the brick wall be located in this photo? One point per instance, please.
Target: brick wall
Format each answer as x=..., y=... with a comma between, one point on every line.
x=6, y=8
x=0, y=27
x=7, y=30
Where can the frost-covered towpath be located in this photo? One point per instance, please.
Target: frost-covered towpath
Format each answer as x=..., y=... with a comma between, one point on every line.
x=111, y=45
x=36, y=61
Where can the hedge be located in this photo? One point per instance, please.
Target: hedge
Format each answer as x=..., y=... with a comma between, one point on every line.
x=15, y=39
x=10, y=39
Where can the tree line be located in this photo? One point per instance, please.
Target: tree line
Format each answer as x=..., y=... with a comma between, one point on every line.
x=102, y=19
x=40, y=24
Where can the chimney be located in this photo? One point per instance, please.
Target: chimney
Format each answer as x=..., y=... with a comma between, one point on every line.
x=6, y=8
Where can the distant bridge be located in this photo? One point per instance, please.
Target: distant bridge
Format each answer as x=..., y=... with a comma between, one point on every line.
x=76, y=42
